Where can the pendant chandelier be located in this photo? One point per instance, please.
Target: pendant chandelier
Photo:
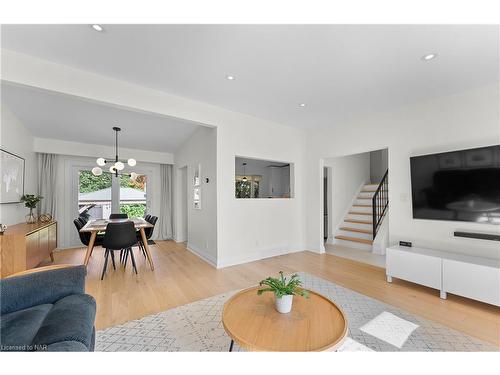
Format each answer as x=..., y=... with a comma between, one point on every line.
x=244, y=179
x=118, y=165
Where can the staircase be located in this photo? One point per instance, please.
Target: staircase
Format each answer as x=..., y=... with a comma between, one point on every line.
x=356, y=231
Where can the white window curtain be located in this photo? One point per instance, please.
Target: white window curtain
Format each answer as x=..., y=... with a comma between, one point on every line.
x=47, y=180
x=165, y=221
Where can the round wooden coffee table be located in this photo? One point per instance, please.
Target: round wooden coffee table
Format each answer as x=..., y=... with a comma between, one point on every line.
x=314, y=324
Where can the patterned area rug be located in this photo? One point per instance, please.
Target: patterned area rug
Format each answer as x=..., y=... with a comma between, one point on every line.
x=373, y=326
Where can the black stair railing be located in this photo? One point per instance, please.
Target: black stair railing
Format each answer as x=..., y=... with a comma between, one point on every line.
x=380, y=201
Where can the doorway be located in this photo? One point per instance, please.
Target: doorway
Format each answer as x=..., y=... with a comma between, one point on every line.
x=96, y=197
x=351, y=202
x=325, y=203
x=183, y=212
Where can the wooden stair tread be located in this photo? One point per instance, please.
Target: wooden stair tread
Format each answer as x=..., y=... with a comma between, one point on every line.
x=368, y=191
x=354, y=239
x=370, y=198
x=357, y=230
x=358, y=221
x=360, y=213
x=362, y=205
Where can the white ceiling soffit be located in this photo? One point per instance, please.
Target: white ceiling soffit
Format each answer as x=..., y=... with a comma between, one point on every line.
x=261, y=163
x=337, y=71
x=58, y=116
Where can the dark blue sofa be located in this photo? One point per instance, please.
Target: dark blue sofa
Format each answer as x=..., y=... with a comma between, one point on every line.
x=47, y=311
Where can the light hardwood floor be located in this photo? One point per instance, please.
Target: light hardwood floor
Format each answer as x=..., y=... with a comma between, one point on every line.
x=181, y=277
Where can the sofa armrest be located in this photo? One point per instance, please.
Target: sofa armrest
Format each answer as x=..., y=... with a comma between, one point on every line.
x=21, y=292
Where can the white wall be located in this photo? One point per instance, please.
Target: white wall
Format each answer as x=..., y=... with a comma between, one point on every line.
x=465, y=120
x=199, y=149
x=273, y=226
x=348, y=173
x=379, y=160
x=253, y=229
x=15, y=138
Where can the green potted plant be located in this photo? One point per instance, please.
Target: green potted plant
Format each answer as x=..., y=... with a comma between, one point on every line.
x=30, y=201
x=284, y=289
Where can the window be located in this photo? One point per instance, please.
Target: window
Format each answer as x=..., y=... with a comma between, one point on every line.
x=94, y=195
x=99, y=196
x=133, y=196
x=255, y=178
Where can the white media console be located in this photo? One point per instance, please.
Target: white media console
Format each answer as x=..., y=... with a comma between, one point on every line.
x=466, y=276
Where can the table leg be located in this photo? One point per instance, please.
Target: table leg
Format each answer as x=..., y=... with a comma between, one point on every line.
x=90, y=248
x=231, y=346
x=146, y=247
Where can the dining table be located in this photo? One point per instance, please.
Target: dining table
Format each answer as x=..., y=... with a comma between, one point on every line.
x=99, y=225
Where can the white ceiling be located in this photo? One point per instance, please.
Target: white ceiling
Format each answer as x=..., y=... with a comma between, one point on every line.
x=58, y=116
x=339, y=71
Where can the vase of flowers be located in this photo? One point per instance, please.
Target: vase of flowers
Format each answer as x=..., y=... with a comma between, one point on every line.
x=30, y=201
x=284, y=289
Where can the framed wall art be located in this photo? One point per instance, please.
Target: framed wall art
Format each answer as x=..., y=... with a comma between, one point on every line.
x=12, y=174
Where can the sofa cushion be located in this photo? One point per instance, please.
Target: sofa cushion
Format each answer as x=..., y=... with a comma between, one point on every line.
x=70, y=319
x=19, y=328
x=39, y=288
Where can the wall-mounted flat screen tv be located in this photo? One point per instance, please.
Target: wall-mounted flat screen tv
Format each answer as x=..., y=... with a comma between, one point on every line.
x=458, y=186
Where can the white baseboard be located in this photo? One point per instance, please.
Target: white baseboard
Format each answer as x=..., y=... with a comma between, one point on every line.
x=209, y=258
x=313, y=248
x=258, y=255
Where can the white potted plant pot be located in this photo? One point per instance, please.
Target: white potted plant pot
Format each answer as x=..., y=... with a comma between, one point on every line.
x=284, y=304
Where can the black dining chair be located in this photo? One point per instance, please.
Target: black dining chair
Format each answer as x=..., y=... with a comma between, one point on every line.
x=119, y=236
x=148, y=232
x=83, y=219
x=85, y=236
x=118, y=216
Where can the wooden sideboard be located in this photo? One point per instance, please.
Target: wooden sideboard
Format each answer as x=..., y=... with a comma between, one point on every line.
x=25, y=246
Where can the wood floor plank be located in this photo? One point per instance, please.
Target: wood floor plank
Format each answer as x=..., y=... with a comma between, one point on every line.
x=354, y=239
x=357, y=230
x=180, y=277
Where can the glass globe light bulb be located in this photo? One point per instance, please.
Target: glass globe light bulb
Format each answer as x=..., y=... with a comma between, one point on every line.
x=112, y=169
x=119, y=165
x=96, y=171
x=133, y=176
x=131, y=162
x=101, y=162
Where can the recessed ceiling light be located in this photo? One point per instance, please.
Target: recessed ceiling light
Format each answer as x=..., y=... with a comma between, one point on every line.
x=97, y=27
x=231, y=78
x=429, y=57
x=302, y=104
